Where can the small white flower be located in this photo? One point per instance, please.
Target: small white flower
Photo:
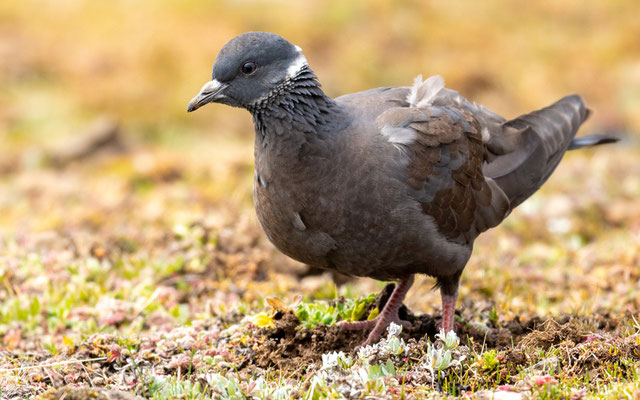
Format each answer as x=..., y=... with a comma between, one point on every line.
x=344, y=361
x=395, y=345
x=451, y=340
x=336, y=359
x=443, y=360
x=330, y=360
x=363, y=374
x=394, y=329
x=368, y=351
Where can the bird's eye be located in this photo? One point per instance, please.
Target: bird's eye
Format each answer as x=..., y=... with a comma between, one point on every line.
x=249, y=68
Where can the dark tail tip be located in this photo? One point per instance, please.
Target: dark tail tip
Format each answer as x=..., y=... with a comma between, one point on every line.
x=593, y=140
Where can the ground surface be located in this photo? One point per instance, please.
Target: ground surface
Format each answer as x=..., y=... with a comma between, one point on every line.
x=125, y=271
x=132, y=264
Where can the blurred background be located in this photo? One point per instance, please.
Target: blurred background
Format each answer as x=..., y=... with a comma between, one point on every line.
x=99, y=159
x=65, y=63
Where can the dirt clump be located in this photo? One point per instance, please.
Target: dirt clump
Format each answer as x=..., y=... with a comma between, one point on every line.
x=552, y=333
x=292, y=350
x=604, y=356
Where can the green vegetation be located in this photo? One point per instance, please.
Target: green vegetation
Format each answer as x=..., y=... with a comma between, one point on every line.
x=312, y=314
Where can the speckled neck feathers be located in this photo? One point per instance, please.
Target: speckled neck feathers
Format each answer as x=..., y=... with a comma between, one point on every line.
x=296, y=105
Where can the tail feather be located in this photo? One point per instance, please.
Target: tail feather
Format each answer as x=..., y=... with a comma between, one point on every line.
x=522, y=163
x=593, y=140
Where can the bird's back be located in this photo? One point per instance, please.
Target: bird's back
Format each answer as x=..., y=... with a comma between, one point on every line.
x=438, y=149
x=466, y=166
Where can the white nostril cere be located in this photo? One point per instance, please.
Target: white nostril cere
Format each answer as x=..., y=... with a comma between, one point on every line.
x=210, y=86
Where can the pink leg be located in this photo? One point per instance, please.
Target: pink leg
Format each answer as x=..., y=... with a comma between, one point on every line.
x=388, y=315
x=448, y=310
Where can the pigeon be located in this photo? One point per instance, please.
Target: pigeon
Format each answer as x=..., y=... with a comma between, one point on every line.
x=389, y=182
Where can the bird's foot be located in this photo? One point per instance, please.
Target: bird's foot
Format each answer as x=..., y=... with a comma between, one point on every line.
x=377, y=325
x=388, y=315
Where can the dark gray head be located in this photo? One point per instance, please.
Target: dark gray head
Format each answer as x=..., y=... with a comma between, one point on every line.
x=248, y=68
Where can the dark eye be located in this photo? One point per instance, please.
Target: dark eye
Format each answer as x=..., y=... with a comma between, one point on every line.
x=249, y=68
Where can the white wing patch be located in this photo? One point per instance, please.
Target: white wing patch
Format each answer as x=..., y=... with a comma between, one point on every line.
x=423, y=93
x=486, y=136
x=399, y=135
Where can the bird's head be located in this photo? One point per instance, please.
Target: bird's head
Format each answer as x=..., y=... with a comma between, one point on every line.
x=248, y=69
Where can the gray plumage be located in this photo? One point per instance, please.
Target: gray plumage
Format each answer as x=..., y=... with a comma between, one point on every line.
x=389, y=182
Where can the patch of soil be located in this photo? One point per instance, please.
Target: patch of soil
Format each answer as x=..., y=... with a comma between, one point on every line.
x=552, y=333
x=581, y=350
x=537, y=332
x=292, y=350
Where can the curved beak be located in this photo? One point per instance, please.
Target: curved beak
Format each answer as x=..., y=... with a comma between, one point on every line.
x=210, y=92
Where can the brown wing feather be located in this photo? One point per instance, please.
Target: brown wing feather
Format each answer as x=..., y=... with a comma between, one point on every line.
x=445, y=168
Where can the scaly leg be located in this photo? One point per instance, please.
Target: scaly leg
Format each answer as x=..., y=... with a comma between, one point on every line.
x=388, y=315
x=449, y=295
x=448, y=310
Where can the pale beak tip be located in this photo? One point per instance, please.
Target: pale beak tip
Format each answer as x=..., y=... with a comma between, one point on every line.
x=195, y=103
